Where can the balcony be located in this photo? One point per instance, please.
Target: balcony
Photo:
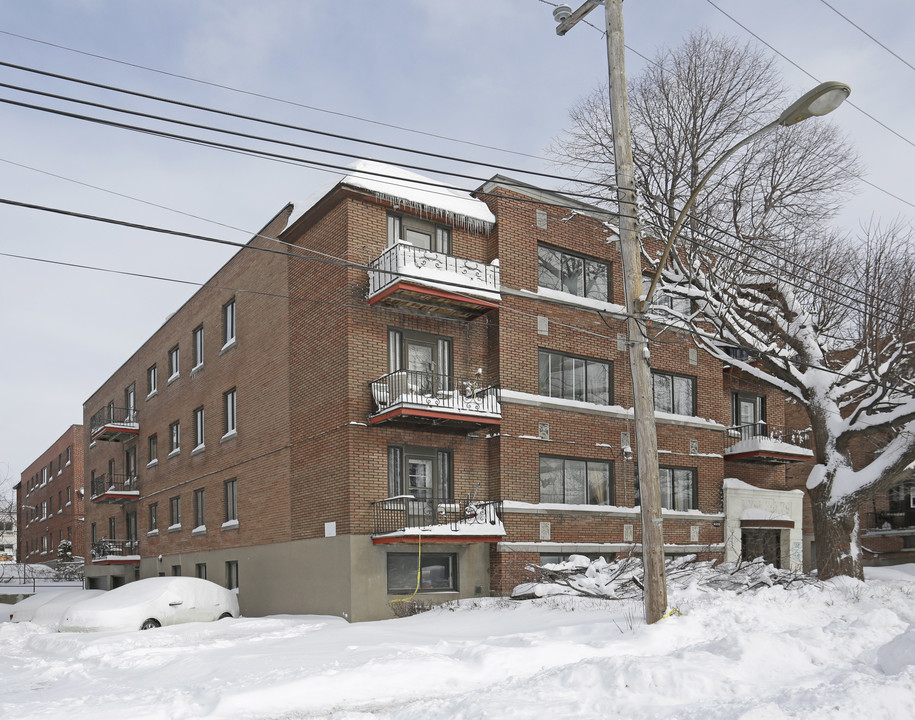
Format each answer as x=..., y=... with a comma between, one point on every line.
x=410, y=396
x=432, y=282
x=764, y=443
x=116, y=552
x=108, y=488
x=114, y=424
x=404, y=518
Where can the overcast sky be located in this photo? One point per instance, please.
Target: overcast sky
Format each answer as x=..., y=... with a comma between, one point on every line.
x=487, y=72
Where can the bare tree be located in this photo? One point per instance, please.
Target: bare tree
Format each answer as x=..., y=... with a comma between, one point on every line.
x=833, y=325
x=687, y=108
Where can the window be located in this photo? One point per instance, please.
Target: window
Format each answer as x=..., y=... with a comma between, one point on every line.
x=131, y=519
x=154, y=517
x=69, y=453
x=174, y=511
x=174, y=362
x=574, y=481
x=231, y=500
x=130, y=402
x=228, y=323
x=663, y=301
x=44, y=475
x=176, y=570
x=60, y=463
x=152, y=381
x=69, y=496
x=575, y=378
x=93, y=534
x=130, y=462
x=748, y=414
x=438, y=573
x=424, y=358
x=199, y=515
x=419, y=233
x=198, y=347
x=174, y=438
x=152, y=448
x=674, y=393
x=229, y=414
x=198, y=428
x=424, y=473
x=112, y=528
x=573, y=274
x=232, y=574
x=679, y=488
x=200, y=569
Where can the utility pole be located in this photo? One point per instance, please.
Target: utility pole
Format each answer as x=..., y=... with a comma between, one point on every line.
x=655, y=592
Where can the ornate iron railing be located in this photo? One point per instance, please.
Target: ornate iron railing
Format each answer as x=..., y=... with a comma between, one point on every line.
x=435, y=391
x=106, y=548
x=113, y=483
x=110, y=415
x=404, y=259
x=402, y=512
x=778, y=433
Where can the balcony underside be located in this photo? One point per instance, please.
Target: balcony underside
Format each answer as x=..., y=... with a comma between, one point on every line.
x=434, y=301
x=116, y=560
x=116, y=496
x=768, y=457
x=116, y=432
x=412, y=415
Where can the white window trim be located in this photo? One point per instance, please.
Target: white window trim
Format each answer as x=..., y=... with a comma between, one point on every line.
x=176, y=451
x=199, y=530
x=174, y=528
x=228, y=346
x=229, y=435
x=153, y=533
x=153, y=394
x=152, y=463
x=199, y=449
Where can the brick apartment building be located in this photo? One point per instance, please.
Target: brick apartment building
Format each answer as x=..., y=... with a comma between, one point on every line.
x=49, y=501
x=402, y=385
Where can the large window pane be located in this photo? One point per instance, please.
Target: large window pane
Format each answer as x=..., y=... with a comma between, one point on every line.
x=596, y=280
x=548, y=268
x=598, y=483
x=682, y=489
x=683, y=395
x=674, y=393
x=551, y=480
x=598, y=380
x=573, y=270
x=663, y=392
x=575, y=480
x=437, y=573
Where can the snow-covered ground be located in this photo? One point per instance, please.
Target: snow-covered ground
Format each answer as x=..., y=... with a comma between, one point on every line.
x=838, y=650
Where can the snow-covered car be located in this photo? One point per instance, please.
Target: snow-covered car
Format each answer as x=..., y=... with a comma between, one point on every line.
x=23, y=610
x=151, y=603
x=50, y=613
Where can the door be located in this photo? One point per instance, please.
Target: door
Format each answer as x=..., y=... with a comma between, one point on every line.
x=420, y=484
x=761, y=543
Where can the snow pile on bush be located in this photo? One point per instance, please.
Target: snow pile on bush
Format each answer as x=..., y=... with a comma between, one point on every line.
x=623, y=579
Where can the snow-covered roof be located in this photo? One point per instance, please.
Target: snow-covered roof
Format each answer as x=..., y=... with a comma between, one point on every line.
x=402, y=187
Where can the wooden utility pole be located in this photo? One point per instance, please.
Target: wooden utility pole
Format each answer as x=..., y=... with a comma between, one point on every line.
x=655, y=592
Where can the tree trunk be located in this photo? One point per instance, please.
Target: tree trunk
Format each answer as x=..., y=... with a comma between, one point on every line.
x=838, y=546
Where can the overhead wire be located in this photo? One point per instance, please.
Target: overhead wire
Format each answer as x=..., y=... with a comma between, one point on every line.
x=866, y=33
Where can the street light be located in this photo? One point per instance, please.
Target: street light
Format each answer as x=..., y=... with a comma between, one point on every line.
x=823, y=99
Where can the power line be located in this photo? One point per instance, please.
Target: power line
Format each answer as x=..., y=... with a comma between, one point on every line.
x=787, y=59
x=269, y=97
x=865, y=32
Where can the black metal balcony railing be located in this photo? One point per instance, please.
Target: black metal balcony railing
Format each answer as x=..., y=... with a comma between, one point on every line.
x=899, y=519
x=105, y=548
x=395, y=514
x=113, y=484
x=109, y=415
x=778, y=433
x=436, y=392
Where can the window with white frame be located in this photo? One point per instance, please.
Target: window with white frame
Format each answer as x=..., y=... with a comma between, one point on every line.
x=674, y=393
x=152, y=380
x=573, y=274
x=232, y=574
x=228, y=323
x=199, y=514
x=575, y=378
x=174, y=362
x=198, y=347
x=229, y=400
x=154, y=517
x=174, y=438
x=174, y=511
x=419, y=233
x=198, y=428
x=152, y=448
x=575, y=481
